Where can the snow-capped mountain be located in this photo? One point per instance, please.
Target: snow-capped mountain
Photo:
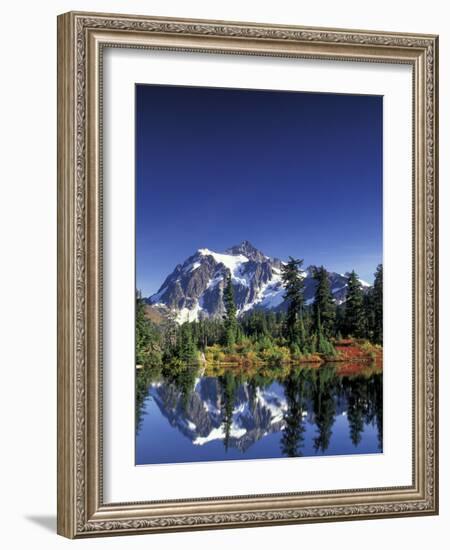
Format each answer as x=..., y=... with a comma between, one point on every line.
x=195, y=288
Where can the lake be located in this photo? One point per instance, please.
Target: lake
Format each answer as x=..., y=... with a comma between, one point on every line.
x=226, y=413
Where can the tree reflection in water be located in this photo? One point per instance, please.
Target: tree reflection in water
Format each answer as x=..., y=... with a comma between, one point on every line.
x=238, y=408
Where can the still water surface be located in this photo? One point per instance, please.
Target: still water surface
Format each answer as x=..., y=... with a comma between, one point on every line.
x=333, y=409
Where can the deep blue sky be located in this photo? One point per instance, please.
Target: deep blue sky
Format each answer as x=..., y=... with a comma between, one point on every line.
x=294, y=173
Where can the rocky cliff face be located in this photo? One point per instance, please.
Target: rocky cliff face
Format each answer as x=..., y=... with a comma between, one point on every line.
x=194, y=289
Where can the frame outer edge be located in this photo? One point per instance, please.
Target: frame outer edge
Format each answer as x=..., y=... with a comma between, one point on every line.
x=75, y=482
x=436, y=269
x=65, y=281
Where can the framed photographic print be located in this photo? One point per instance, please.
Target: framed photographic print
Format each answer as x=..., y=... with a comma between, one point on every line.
x=247, y=277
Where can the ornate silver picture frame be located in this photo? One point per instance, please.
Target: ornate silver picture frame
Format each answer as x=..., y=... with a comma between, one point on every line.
x=82, y=40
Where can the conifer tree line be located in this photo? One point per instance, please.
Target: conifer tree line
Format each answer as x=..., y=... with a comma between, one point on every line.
x=304, y=329
x=313, y=329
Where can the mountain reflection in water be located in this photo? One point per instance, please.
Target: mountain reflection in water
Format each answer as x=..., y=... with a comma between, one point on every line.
x=190, y=416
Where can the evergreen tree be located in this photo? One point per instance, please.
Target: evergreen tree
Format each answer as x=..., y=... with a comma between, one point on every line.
x=323, y=344
x=271, y=324
x=230, y=317
x=148, y=348
x=187, y=350
x=169, y=337
x=378, y=305
x=354, y=307
x=294, y=285
x=256, y=323
x=307, y=320
x=369, y=314
x=340, y=321
x=142, y=332
x=324, y=309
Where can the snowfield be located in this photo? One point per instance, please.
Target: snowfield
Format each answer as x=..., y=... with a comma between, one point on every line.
x=246, y=268
x=232, y=262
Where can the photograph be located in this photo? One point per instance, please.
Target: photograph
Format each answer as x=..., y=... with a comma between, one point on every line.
x=259, y=274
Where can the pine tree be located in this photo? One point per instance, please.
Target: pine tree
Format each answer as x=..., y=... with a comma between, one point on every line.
x=143, y=339
x=369, y=313
x=354, y=307
x=230, y=324
x=148, y=344
x=294, y=285
x=340, y=321
x=187, y=350
x=320, y=343
x=378, y=305
x=324, y=308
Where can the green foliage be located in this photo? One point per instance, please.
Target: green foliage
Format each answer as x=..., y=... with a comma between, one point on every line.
x=187, y=350
x=294, y=286
x=295, y=350
x=214, y=354
x=370, y=349
x=324, y=308
x=325, y=346
x=369, y=315
x=208, y=332
x=262, y=343
x=230, y=322
x=361, y=315
x=378, y=305
x=340, y=321
x=275, y=338
x=355, y=324
x=301, y=333
x=313, y=346
x=275, y=356
x=148, y=344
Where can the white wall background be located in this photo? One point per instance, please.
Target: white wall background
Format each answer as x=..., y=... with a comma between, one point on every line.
x=28, y=270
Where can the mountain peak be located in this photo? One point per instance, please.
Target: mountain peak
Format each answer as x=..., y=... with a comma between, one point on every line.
x=246, y=249
x=194, y=290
